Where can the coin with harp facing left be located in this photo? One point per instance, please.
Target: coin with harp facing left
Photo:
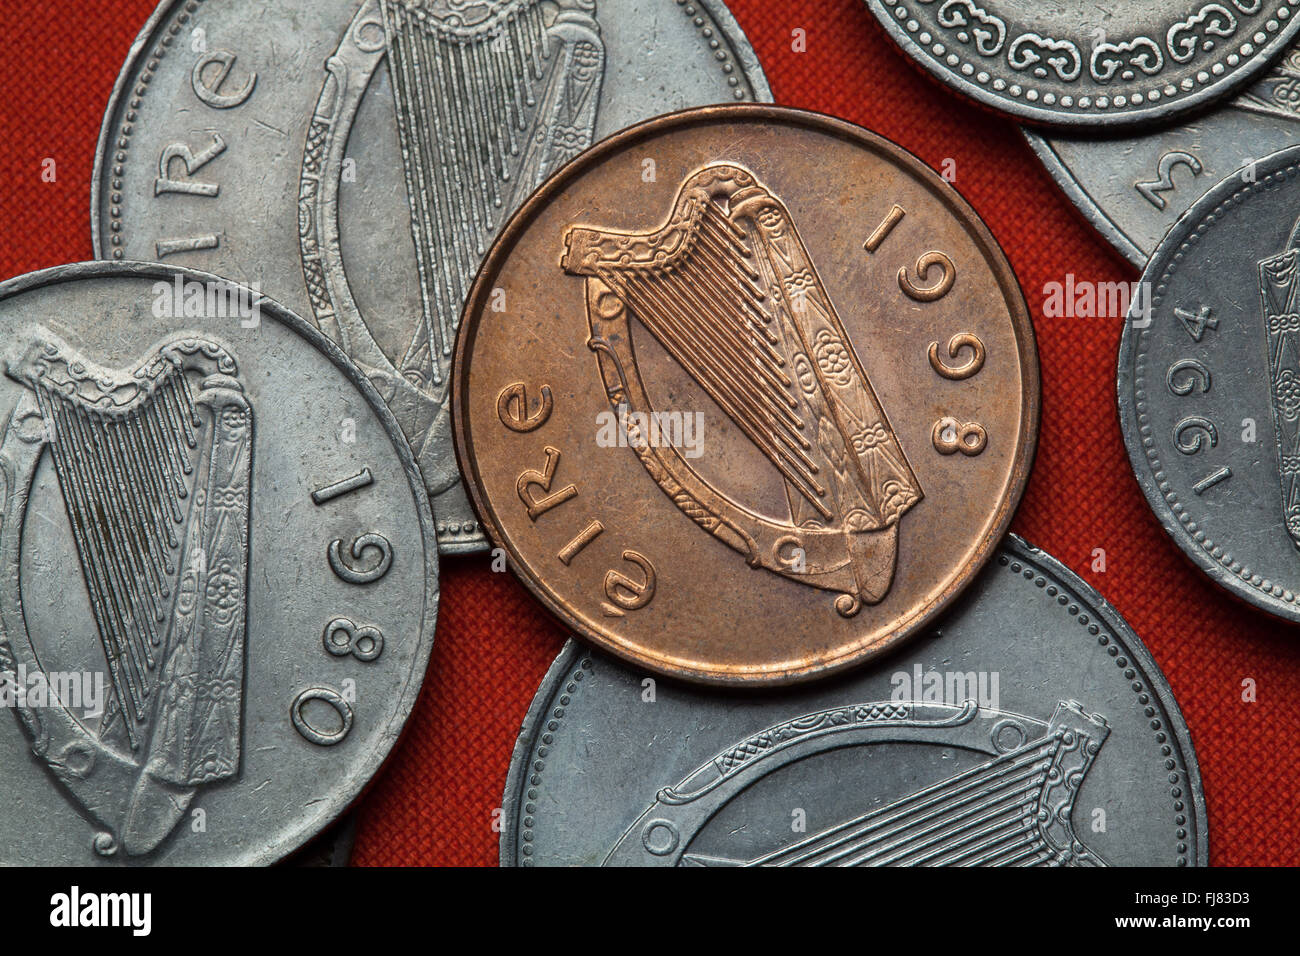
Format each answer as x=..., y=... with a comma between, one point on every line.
x=746, y=394
x=218, y=572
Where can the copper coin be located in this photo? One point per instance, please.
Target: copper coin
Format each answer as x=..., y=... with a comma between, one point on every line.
x=746, y=394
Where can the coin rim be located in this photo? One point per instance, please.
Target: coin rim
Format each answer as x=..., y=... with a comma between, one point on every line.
x=975, y=228
x=372, y=761
x=1127, y=407
x=1081, y=199
x=1091, y=122
x=1015, y=548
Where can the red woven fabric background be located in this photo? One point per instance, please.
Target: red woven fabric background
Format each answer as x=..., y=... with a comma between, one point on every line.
x=433, y=804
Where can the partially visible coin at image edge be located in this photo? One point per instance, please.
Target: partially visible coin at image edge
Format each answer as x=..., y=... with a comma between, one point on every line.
x=1208, y=384
x=1133, y=185
x=1031, y=727
x=216, y=609
x=1081, y=64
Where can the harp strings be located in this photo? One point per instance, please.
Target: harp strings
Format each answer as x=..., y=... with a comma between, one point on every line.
x=463, y=110
x=975, y=818
x=123, y=475
x=708, y=308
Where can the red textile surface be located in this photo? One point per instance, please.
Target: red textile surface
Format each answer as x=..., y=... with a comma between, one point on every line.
x=433, y=804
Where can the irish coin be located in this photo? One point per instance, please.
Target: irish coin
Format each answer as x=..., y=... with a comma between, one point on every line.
x=1076, y=63
x=355, y=159
x=1209, y=384
x=747, y=394
x=1031, y=728
x=218, y=575
x=1133, y=187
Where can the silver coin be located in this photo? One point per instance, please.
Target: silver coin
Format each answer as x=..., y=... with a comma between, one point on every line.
x=1133, y=187
x=1076, y=63
x=333, y=848
x=355, y=158
x=1209, y=384
x=1031, y=727
x=218, y=578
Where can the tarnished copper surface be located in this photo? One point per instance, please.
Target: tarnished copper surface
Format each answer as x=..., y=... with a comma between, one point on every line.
x=746, y=394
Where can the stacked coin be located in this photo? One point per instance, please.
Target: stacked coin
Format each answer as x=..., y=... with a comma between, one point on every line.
x=1208, y=357
x=713, y=424
x=717, y=417
x=1018, y=733
x=746, y=396
x=298, y=133
x=185, y=440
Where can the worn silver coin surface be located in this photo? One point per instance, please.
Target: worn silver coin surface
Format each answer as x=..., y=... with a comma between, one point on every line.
x=355, y=159
x=1031, y=727
x=1209, y=384
x=1077, y=63
x=218, y=576
x=333, y=848
x=1133, y=187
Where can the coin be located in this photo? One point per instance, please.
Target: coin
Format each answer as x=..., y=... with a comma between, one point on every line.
x=1074, y=63
x=333, y=848
x=275, y=144
x=746, y=394
x=1030, y=727
x=1209, y=385
x=1133, y=187
x=219, y=578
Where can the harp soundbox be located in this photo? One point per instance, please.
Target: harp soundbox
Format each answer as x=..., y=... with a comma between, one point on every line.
x=728, y=288
x=1013, y=809
x=154, y=465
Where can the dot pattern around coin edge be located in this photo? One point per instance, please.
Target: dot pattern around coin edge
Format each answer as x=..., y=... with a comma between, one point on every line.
x=939, y=55
x=1073, y=606
x=539, y=752
x=1215, y=552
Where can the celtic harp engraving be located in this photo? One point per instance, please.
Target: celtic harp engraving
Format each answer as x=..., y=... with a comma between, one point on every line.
x=489, y=100
x=154, y=467
x=489, y=97
x=1013, y=809
x=727, y=287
